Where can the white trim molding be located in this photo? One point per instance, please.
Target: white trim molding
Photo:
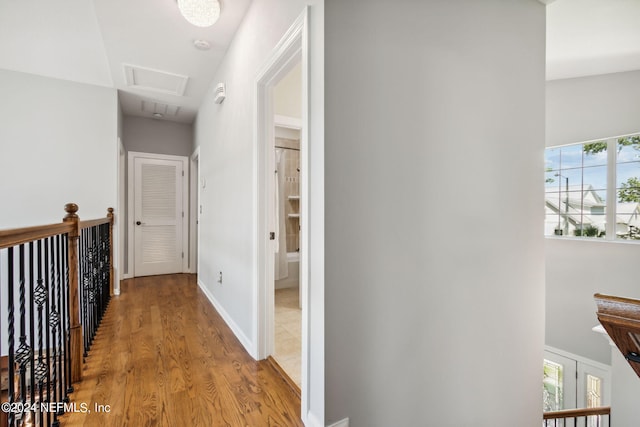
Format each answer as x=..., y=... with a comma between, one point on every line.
x=194, y=215
x=244, y=340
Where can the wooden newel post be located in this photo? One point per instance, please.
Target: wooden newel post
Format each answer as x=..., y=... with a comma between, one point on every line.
x=111, y=221
x=74, y=295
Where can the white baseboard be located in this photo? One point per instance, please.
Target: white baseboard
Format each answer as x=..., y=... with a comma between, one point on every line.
x=246, y=342
x=341, y=423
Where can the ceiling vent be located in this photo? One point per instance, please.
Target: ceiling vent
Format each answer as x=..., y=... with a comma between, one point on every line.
x=155, y=80
x=154, y=108
x=220, y=93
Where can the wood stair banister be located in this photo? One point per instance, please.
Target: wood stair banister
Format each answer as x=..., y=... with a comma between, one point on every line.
x=576, y=413
x=59, y=280
x=620, y=317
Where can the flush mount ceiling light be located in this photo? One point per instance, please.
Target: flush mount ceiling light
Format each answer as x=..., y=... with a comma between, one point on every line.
x=201, y=13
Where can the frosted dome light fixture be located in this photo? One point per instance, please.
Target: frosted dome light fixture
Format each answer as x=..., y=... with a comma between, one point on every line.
x=201, y=13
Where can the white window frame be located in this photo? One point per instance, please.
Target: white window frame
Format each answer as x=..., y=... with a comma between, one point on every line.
x=612, y=196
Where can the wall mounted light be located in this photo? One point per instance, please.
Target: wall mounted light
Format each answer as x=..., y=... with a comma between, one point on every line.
x=201, y=13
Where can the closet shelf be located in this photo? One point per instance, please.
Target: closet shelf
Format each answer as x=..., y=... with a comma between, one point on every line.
x=294, y=215
x=294, y=197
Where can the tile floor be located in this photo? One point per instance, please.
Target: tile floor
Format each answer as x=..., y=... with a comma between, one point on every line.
x=288, y=341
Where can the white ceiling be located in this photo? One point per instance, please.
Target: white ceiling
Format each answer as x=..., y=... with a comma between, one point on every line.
x=589, y=37
x=89, y=41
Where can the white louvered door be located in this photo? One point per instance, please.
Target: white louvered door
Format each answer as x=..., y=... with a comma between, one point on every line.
x=158, y=218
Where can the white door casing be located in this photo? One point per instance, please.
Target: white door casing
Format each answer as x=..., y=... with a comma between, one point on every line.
x=157, y=220
x=293, y=47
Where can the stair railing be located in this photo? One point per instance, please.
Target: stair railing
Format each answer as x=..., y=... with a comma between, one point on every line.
x=585, y=417
x=56, y=283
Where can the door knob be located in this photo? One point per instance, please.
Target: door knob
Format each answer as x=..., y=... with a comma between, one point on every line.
x=138, y=223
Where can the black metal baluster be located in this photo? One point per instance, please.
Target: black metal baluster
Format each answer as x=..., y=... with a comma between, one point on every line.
x=61, y=322
x=23, y=351
x=47, y=322
x=106, y=289
x=56, y=320
x=84, y=306
x=99, y=277
x=96, y=282
x=41, y=367
x=91, y=294
x=10, y=343
x=67, y=320
x=53, y=328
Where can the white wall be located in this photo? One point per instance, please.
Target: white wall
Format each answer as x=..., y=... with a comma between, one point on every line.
x=157, y=136
x=434, y=290
x=578, y=110
x=225, y=135
x=594, y=107
x=58, y=145
x=626, y=389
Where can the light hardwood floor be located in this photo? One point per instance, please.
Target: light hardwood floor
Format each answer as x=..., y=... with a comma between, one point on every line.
x=164, y=357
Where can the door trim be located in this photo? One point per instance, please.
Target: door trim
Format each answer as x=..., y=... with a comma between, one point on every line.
x=293, y=47
x=132, y=155
x=194, y=214
x=120, y=218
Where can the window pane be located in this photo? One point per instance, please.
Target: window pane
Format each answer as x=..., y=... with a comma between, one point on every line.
x=551, y=181
x=628, y=188
x=592, y=225
x=595, y=177
x=628, y=175
x=594, y=391
x=552, y=387
x=595, y=153
x=629, y=149
x=552, y=224
x=552, y=159
x=571, y=156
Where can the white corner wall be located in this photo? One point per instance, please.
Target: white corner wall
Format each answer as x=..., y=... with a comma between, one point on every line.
x=584, y=109
x=224, y=133
x=58, y=144
x=434, y=291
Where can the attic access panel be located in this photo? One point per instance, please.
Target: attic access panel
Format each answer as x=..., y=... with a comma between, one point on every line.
x=620, y=317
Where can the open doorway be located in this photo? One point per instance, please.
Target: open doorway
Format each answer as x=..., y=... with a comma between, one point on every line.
x=290, y=53
x=287, y=97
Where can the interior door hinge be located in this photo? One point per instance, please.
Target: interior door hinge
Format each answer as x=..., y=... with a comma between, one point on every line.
x=183, y=255
x=182, y=214
x=182, y=173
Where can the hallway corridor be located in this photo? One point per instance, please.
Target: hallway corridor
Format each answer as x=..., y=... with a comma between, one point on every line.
x=164, y=357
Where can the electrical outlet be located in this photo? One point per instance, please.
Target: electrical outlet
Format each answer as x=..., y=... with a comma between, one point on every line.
x=220, y=277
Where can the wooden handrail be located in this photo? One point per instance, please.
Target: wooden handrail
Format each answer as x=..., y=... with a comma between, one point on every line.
x=93, y=222
x=575, y=413
x=18, y=236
